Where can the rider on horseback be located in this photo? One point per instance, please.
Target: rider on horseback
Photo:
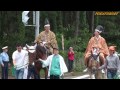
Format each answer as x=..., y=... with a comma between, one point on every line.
x=47, y=37
x=99, y=43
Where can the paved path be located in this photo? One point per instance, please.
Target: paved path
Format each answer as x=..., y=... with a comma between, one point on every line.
x=79, y=77
x=66, y=76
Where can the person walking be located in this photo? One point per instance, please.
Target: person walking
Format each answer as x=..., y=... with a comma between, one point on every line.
x=18, y=57
x=112, y=64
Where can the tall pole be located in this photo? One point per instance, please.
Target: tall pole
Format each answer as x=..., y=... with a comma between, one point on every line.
x=34, y=14
x=37, y=24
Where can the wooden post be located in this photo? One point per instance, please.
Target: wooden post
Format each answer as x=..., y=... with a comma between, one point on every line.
x=62, y=42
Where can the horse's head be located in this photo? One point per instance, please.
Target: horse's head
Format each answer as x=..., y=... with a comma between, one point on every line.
x=31, y=53
x=94, y=62
x=46, y=46
x=43, y=44
x=41, y=52
x=93, y=65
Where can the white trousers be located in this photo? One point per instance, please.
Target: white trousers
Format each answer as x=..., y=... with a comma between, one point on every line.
x=25, y=73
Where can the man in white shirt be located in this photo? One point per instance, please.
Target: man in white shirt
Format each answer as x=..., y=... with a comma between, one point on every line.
x=18, y=57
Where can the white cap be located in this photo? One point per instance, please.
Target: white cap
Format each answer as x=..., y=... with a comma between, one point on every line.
x=5, y=47
x=47, y=25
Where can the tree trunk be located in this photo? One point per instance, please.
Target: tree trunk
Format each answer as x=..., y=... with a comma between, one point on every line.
x=77, y=25
x=92, y=21
x=59, y=22
x=84, y=19
x=62, y=36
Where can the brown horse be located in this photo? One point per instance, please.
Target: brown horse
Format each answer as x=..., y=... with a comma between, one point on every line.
x=93, y=65
x=35, y=66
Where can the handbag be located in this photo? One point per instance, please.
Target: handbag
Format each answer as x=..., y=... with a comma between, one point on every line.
x=13, y=71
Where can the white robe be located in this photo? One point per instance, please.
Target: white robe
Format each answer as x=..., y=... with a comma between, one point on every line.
x=26, y=66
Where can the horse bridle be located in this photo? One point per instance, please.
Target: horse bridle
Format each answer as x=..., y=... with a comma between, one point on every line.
x=32, y=57
x=95, y=57
x=46, y=47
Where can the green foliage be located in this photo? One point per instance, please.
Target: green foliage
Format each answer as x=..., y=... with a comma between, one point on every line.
x=78, y=62
x=64, y=54
x=112, y=31
x=81, y=42
x=85, y=36
x=21, y=31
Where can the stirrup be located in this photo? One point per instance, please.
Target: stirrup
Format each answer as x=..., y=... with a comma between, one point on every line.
x=85, y=70
x=103, y=71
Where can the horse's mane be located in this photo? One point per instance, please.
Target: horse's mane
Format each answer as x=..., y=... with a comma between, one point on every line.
x=40, y=49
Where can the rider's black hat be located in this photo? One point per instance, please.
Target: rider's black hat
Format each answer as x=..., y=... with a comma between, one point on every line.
x=99, y=29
